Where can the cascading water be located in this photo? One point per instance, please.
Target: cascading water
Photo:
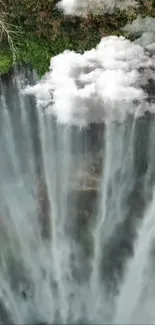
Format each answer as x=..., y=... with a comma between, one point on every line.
x=77, y=173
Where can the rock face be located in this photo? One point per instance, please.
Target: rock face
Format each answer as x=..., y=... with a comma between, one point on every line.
x=44, y=208
x=88, y=178
x=84, y=188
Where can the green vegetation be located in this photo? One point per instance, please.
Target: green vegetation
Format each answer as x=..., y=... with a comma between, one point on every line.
x=42, y=31
x=5, y=62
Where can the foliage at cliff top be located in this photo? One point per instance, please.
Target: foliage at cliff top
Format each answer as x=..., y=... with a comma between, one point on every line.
x=39, y=30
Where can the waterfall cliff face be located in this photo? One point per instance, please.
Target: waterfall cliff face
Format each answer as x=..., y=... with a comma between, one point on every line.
x=76, y=215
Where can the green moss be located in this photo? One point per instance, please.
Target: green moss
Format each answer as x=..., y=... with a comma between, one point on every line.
x=5, y=61
x=35, y=52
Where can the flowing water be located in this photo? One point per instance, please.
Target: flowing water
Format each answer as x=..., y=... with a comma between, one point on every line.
x=77, y=216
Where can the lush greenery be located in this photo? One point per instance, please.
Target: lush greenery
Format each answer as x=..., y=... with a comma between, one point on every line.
x=41, y=31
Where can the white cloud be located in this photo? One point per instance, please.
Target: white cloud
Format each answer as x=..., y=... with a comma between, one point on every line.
x=84, y=7
x=141, y=25
x=101, y=84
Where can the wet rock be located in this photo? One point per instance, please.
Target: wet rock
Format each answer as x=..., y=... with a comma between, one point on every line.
x=88, y=176
x=44, y=210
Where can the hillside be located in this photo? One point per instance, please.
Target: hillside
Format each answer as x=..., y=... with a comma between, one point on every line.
x=39, y=31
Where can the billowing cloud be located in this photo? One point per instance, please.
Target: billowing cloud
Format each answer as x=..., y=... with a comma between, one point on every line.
x=141, y=25
x=145, y=29
x=102, y=84
x=84, y=7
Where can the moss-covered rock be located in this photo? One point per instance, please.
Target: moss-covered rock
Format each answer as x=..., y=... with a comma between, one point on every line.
x=5, y=61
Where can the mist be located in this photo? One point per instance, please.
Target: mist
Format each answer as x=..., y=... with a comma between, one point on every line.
x=85, y=7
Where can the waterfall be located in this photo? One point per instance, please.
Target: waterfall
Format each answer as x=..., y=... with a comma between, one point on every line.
x=77, y=195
